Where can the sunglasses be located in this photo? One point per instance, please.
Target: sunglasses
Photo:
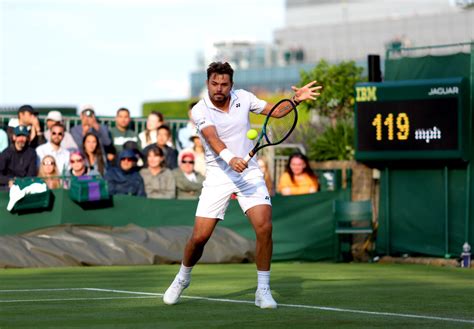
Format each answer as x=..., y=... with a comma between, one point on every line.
x=54, y=133
x=76, y=161
x=49, y=163
x=128, y=159
x=191, y=162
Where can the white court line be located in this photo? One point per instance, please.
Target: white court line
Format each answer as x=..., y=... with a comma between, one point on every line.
x=225, y=300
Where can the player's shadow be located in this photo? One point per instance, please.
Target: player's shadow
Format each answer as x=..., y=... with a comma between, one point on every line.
x=288, y=286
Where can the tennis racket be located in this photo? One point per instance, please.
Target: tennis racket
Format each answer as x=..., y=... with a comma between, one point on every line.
x=275, y=130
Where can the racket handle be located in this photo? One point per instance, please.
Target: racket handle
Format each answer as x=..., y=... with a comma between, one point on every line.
x=247, y=158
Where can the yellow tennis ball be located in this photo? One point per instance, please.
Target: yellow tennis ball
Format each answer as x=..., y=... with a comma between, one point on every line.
x=252, y=134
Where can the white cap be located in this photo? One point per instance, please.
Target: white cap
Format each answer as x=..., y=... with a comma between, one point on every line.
x=86, y=107
x=54, y=116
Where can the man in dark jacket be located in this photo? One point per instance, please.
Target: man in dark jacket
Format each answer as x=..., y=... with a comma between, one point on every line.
x=18, y=160
x=125, y=179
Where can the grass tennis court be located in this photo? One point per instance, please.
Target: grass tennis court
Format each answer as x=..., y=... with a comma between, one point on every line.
x=310, y=295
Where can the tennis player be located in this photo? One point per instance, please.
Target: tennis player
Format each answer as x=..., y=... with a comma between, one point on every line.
x=222, y=118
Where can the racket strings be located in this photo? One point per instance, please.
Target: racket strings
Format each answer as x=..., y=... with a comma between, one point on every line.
x=279, y=128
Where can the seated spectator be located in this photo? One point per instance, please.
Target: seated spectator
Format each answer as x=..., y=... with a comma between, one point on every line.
x=148, y=136
x=170, y=154
x=185, y=133
x=3, y=140
x=188, y=181
x=298, y=177
x=159, y=180
x=199, y=156
x=89, y=124
x=121, y=133
x=134, y=147
x=28, y=117
x=94, y=156
x=18, y=160
x=77, y=163
x=53, y=118
x=125, y=179
x=263, y=165
x=54, y=148
x=49, y=172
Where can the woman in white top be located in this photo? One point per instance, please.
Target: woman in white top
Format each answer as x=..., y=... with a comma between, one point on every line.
x=148, y=136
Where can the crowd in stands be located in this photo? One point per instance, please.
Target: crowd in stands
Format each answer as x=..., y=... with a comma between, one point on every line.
x=147, y=164
x=142, y=164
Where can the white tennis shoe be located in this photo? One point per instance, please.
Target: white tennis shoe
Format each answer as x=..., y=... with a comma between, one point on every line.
x=264, y=299
x=174, y=291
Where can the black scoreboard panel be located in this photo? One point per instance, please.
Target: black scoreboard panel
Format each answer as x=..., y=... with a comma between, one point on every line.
x=415, y=119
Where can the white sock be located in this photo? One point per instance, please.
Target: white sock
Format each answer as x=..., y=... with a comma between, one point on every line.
x=185, y=272
x=263, y=279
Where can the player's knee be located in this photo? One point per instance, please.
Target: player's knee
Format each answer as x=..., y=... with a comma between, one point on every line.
x=264, y=228
x=199, y=239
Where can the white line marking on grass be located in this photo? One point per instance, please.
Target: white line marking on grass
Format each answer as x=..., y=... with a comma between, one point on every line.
x=322, y=308
x=70, y=299
x=153, y=295
x=51, y=289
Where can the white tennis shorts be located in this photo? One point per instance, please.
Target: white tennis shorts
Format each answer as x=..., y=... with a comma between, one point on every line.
x=215, y=196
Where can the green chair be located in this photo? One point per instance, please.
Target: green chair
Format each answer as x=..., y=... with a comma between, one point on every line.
x=350, y=218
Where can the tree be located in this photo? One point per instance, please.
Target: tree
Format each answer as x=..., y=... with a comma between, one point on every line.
x=337, y=96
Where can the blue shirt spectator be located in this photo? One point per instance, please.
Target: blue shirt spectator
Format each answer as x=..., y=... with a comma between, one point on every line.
x=88, y=124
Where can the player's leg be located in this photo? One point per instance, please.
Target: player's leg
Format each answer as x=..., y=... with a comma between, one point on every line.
x=203, y=228
x=261, y=218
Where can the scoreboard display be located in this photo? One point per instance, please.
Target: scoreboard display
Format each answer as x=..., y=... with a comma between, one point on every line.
x=412, y=119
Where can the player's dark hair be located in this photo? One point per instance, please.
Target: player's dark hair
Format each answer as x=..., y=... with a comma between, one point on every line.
x=307, y=170
x=220, y=68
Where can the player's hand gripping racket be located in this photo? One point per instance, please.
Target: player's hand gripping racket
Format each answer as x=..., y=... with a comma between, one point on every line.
x=276, y=130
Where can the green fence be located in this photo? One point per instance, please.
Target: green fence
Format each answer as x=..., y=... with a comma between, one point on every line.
x=303, y=225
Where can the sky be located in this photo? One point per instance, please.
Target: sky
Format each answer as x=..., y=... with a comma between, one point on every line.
x=115, y=53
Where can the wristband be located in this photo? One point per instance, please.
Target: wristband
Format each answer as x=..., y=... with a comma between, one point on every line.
x=293, y=99
x=226, y=155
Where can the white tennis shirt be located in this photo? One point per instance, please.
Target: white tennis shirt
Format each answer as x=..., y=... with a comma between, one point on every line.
x=231, y=128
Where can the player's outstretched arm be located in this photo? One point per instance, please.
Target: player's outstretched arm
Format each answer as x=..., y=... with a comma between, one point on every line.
x=308, y=91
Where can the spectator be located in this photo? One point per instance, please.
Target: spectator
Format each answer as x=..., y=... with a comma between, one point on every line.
x=52, y=118
x=185, y=133
x=27, y=116
x=199, y=156
x=49, y=172
x=171, y=155
x=148, y=136
x=89, y=124
x=298, y=177
x=134, y=147
x=94, y=156
x=54, y=148
x=3, y=140
x=121, y=133
x=159, y=180
x=77, y=164
x=188, y=181
x=18, y=160
x=263, y=165
x=125, y=179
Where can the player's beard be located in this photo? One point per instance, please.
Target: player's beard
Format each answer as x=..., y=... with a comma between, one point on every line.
x=219, y=99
